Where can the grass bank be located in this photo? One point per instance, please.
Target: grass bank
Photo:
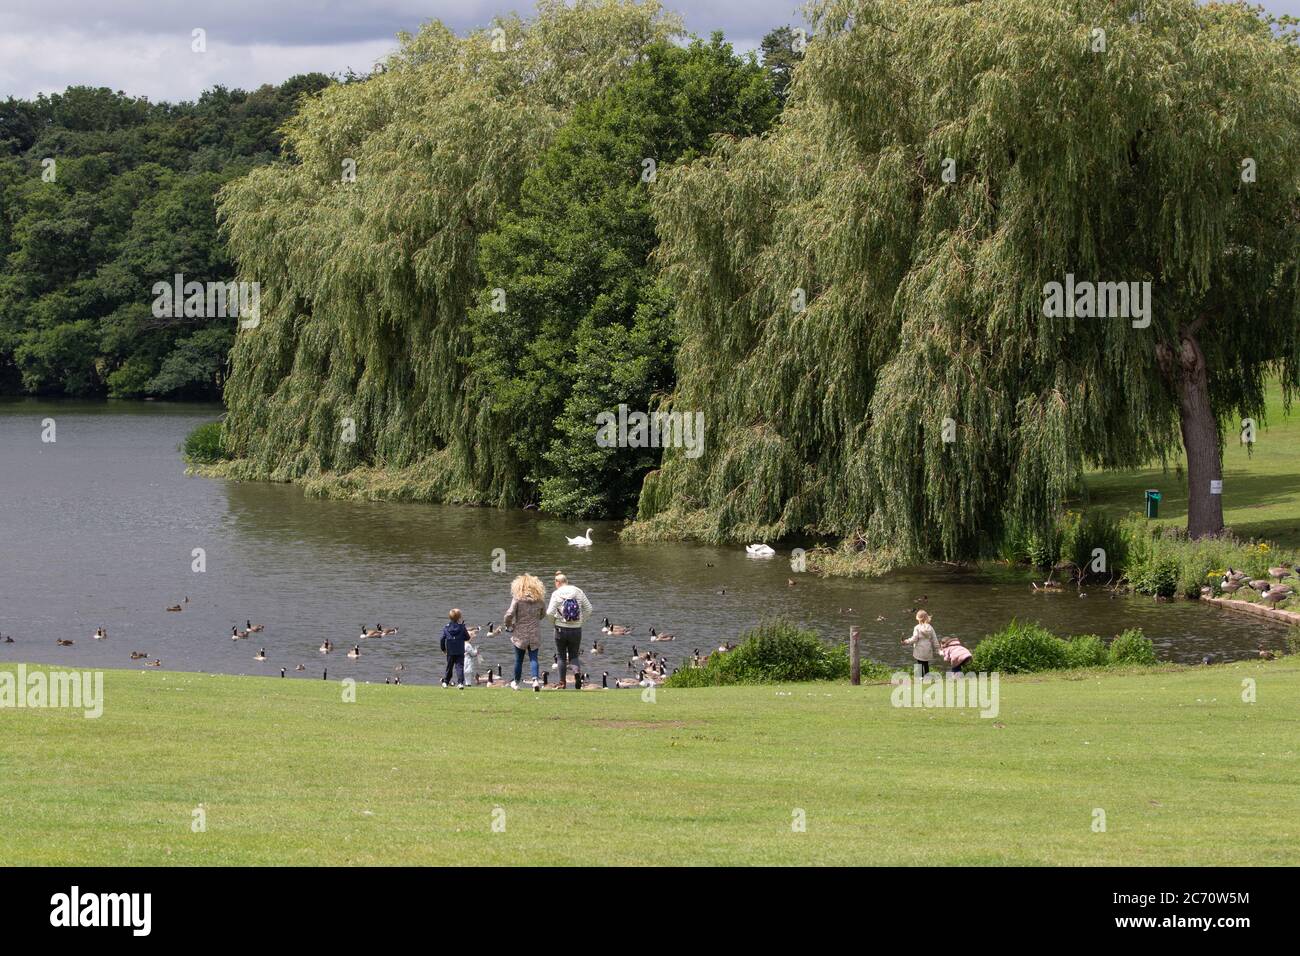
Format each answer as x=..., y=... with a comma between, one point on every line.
x=1261, y=483
x=287, y=773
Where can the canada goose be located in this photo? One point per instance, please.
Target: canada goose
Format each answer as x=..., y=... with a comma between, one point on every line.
x=656, y=636
x=254, y=628
x=789, y=582
x=555, y=665
x=389, y=630
x=138, y=655
x=1276, y=595
x=759, y=551
x=1279, y=572
x=604, y=680
x=237, y=635
x=597, y=647
x=261, y=655
x=494, y=630
x=355, y=652
x=1260, y=585
x=63, y=642
x=1266, y=655
x=175, y=607
x=281, y=673
x=880, y=617
x=399, y=668
x=301, y=667
x=153, y=663
x=582, y=541
x=7, y=640
x=326, y=647
x=630, y=681
x=99, y=634
x=1230, y=586
x=615, y=628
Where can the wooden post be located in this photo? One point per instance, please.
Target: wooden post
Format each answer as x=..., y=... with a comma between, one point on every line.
x=855, y=656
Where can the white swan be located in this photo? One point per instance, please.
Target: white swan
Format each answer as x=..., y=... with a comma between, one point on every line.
x=583, y=541
x=759, y=550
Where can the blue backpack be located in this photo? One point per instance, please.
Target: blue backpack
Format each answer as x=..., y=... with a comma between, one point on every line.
x=570, y=610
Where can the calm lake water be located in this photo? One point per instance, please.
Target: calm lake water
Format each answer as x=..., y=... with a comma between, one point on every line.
x=98, y=529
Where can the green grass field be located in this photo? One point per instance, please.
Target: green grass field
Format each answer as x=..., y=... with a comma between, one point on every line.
x=287, y=773
x=1261, y=489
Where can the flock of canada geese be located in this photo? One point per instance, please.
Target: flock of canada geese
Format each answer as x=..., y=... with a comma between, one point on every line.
x=649, y=668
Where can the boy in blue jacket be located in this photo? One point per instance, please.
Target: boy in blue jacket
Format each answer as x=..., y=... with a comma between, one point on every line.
x=453, y=641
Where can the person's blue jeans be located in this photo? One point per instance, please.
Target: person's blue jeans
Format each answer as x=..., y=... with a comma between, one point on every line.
x=519, y=662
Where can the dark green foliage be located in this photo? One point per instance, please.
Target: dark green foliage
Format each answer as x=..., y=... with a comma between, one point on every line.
x=132, y=203
x=1023, y=648
x=587, y=326
x=780, y=58
x=1132, y=647
x=1020, y=648
x=1086, y=650
x=204, y=445
x=776, y=651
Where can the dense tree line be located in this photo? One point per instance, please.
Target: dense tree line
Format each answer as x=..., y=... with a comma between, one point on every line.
x=465, y=304
x=101, y=196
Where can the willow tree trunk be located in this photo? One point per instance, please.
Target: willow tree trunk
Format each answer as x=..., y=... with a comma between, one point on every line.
x=1200, y=427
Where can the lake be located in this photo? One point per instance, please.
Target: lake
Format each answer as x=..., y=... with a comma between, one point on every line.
x=99, y=528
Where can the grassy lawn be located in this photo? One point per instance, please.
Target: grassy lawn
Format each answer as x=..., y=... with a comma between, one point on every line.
x=1261, y=490
x=1186, y=773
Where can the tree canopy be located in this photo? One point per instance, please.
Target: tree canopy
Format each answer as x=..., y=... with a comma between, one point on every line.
x=867, y=336
x=101, y=196
x=453, y=313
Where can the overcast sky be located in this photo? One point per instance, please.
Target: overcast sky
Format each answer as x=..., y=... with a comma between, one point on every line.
x=143, y=46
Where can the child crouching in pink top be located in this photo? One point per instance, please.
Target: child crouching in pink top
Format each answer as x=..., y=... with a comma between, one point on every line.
x=955, y=654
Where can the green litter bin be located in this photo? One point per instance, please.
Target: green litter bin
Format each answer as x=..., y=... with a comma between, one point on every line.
x=1153, y=503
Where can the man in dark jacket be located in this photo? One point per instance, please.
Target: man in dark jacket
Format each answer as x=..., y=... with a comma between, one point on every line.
x=453, y=641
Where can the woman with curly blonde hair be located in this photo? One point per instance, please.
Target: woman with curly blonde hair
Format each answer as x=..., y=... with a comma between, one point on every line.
x=523, y=618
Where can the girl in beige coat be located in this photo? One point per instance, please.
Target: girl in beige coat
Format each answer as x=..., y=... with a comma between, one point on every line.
x=925, y=643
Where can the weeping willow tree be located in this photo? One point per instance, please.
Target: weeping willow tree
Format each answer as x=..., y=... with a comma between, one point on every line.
x=864, y=296
x=365, y=248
